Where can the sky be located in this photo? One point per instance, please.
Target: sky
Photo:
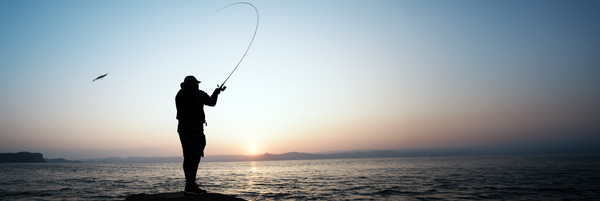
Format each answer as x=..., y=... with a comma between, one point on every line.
x=320, y=75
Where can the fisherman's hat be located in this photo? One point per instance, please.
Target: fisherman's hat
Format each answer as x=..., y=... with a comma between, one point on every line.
x=191, y=79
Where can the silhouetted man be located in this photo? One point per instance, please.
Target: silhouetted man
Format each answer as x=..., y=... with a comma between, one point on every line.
x=190, y=103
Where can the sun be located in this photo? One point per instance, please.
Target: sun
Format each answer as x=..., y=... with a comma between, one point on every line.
x=252, y=150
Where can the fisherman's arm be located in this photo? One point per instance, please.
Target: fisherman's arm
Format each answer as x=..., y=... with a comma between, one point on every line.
x=206, y=99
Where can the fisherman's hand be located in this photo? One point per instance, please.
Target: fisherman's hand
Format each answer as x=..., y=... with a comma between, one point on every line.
x=221, y=88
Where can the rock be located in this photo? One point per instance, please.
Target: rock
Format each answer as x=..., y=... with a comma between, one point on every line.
x=181, y=197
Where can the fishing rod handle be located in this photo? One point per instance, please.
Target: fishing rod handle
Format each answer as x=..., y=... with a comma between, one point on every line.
x=222, y=87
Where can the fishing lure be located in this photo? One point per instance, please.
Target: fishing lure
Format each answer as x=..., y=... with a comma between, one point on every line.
x=100, y=77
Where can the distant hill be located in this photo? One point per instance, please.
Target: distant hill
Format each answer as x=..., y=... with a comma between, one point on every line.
x=26, y=157
x=60, y=160
x=22, y=157
x=297, y=156
x=368, y=154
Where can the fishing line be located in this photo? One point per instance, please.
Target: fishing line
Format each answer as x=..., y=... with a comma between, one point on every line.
x=251, y=41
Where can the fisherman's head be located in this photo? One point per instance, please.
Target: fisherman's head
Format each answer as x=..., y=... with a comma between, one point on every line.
x=191, y=79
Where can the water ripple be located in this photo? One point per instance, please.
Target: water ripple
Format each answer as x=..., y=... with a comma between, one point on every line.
x=542, y=177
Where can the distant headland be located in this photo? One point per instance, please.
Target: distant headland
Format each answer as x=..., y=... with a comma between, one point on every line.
x=22, y=157
x=28, y=157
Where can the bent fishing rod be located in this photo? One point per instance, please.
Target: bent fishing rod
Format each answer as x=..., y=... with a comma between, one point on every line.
x=251, y=41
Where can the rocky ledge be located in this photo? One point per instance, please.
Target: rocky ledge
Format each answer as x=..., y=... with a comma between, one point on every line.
x=181, y=197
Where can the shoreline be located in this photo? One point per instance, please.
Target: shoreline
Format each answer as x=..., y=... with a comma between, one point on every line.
x=179, y=196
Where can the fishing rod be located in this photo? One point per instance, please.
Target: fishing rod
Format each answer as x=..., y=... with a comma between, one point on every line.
x=251, y=41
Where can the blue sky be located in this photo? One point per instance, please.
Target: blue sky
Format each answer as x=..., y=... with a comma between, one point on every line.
x=320, y=76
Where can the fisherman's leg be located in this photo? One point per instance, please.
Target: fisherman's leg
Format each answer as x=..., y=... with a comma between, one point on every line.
x=197, y=151
x=186, y=146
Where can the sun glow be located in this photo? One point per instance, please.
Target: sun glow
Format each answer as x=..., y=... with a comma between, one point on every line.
x=252, y=150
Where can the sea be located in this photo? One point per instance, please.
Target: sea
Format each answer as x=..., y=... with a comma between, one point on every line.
x=500, y=177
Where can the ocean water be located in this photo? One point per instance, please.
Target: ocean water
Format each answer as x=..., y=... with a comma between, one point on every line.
x=512, y=177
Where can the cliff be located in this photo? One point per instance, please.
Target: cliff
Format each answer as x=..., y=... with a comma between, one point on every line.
x=22, y=157
x=180, y=197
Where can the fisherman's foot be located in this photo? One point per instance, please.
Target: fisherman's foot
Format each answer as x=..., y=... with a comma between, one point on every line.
x=193, y=190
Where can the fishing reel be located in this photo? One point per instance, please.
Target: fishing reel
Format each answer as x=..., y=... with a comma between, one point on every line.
x=222, y=88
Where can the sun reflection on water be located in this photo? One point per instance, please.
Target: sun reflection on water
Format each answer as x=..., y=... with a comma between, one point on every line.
x=252, y=178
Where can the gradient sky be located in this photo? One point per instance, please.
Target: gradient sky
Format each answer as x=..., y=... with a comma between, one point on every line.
x=320, y=76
